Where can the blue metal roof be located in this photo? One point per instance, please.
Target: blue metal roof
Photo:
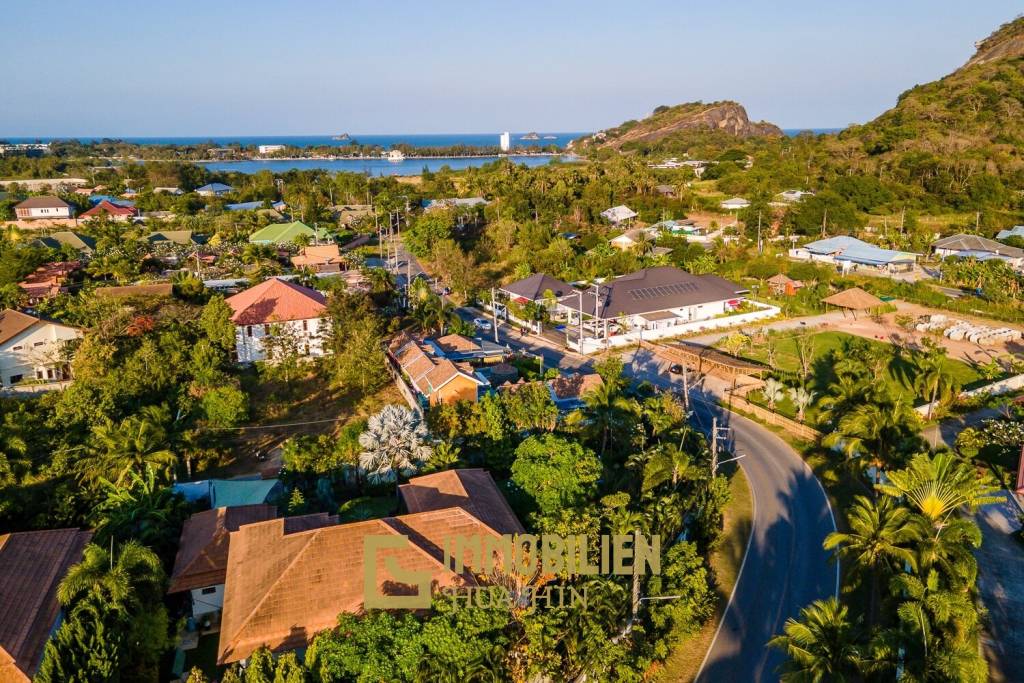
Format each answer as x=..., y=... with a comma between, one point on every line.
x=215, y=187
x=232, y=492
x=97, y=198
x=244, y=206
x=846, y=248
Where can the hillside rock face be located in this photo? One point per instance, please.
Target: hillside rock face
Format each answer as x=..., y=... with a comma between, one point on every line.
x=1006, y=43
x=726, y=117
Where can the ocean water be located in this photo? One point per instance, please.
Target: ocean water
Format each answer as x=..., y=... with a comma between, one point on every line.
x=385, y=141
x=373, y=167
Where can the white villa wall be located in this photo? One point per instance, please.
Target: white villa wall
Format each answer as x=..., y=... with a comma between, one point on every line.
x=249, y=338
x=205, y=603
x=1003, y=386
x=35, y=351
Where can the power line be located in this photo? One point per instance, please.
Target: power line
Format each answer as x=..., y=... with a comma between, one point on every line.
x=277, y=426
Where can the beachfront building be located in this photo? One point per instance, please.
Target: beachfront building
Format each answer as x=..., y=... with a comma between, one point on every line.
x=43, y=207
x=849, y=253
x=270, y=149
x=33, y=348
x=619, y=214
x=655, y=303
x=505, y=141
x=275, y=308
x=214, y=190
x=977, y=247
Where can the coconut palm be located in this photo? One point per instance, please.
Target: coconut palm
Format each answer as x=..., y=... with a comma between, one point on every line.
x=609, y=411
x=939, y=485
x=822, y=645
x=773, y=392
x=876, y=542
x=802, y=398
x=136, y=443
x=132, y=576
x=880, y=430
x=934, y=382
x=668, y=463
x=394, y=444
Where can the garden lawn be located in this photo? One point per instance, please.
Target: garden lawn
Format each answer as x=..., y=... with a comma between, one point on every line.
x=899, y=374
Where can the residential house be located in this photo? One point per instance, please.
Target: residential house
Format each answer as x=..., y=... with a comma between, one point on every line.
x=33, y=348
x=275, y=307
x=458, y=349
x=48, y=280
x=1015, y=231
x=633, y=239
x=665, y=190
x=795, y=195
x=214, y=190
x=847, y=252
x=201, y=563
x=434, y=378
x=32, y=565
x=322, y=258
x=619, y=214
x=981, y=248
x=176, y=191
x=111, y=211
x=95, y=199
x=656, y=302
x=535, y=288
x=783, y=285
x=454, y=203
x=348, y=214
x=245, y=206
x=734, y=204
x=567, y=391
x=82, y=243
x=289, y=579
x=43, y=207
x=184, y=238
x=288, y=233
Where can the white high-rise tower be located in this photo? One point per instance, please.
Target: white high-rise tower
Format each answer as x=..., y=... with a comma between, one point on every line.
x=506, y=141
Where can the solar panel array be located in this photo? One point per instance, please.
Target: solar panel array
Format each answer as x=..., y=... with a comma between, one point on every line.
x=643, y=293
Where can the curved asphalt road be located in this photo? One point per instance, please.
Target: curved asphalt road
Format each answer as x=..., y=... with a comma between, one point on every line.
x=785, y=567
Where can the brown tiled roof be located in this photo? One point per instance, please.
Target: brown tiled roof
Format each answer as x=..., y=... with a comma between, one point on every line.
x=283, y=586
x=473, y=490
x=275, y=300
x=575, y=386
x=202, y=558
x=47, y=202
x=456, y=342
x=427, y=372
x=33, y=564
x=108, y=208
x=13, y=323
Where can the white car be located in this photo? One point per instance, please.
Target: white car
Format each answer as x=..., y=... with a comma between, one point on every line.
x=482, y=324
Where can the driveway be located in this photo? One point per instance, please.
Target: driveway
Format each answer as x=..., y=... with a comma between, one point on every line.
x=1001, y=584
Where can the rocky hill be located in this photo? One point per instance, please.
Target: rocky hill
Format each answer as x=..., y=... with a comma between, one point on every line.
x=729, y=118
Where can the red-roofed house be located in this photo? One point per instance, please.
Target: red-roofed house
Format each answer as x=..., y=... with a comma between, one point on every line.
x=276, y=307
x=115, y=212
x=48, y=280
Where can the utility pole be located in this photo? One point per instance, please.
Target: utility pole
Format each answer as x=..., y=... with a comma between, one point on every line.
x=824, y=217
x=686, y=389
x=494, y=315
x=714, y=447
x=760, y=248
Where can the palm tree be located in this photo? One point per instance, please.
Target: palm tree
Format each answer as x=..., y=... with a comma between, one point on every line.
x=144, y=509
x=668, y=463
x=879, y=430
x=845, y=394
x=394, y=444
x=772, y=391
x=822, y=645
x=131, y=577
x=934, y=381
x=801, y=398
x=138, y=442
x=876, y=542
x=609, y=411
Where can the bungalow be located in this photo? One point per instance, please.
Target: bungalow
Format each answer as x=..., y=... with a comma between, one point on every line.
x=109, y=210
x=33, y=348
x=981, y=248
x=655, y=302
x=524, y=295
x=81, y=243
x=1015, y=231
x=201, y=564
x=453, y=203
x=734, y=204
x=288, y=233
x=275, y=307
x=631, y=239
x=184, y=238
x=567, y=391
x=323, y=258
x=665, y=190
x=847, y=252
x=458, y=348
x=33, y=563
x=619, y=214
x=176, y=191
x=48, y=280
x=434, y=378
x=245, y=206
x=95, y=199
x=214, y=190
x=43, y=207
x=795, y=195
x=289, y=579
x=783, y=285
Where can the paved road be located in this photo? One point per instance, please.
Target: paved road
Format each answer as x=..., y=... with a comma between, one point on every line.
x=1001, y=584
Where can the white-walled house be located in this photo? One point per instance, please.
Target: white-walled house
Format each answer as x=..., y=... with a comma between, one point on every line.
x=32, y=348
x=277, y=307
x=43, y=207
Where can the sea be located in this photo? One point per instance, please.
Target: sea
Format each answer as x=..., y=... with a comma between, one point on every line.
x=374, y=167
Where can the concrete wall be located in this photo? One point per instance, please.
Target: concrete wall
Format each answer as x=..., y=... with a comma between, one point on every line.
x=1003, y=386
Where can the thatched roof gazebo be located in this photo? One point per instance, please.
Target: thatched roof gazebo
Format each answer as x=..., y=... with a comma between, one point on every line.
x=853, y=299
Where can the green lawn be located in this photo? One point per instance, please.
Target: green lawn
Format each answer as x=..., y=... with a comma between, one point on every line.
x=899, y=373
x=367, y=507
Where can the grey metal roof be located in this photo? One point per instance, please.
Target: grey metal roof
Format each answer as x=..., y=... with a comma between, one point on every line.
x=976, y=243
x=533, y=287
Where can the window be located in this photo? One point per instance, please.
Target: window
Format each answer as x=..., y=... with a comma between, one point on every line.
x=248, y=330
x=305, y=325
x=17, y=348
x=209, y=591
x=266, y=329
x=39, y=343
x=39, y=374
x=15, y=379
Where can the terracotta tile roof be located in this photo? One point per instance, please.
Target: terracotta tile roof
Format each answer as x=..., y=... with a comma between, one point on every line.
x=575, y=386
x=13, y=323
x=34, y=563
x=275, y=300
x=202, y=558
x=472, y=490
x=108, y=208
x=427, y=372
x=456, y=342
x=285, y=586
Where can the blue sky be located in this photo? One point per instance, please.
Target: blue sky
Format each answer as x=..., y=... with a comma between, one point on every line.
x=316, y=66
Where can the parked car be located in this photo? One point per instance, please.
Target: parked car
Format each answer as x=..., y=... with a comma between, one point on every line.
x=675, y=369
x=482, y=324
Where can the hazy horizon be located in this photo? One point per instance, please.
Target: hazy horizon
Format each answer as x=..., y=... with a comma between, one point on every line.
x=243, y=69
